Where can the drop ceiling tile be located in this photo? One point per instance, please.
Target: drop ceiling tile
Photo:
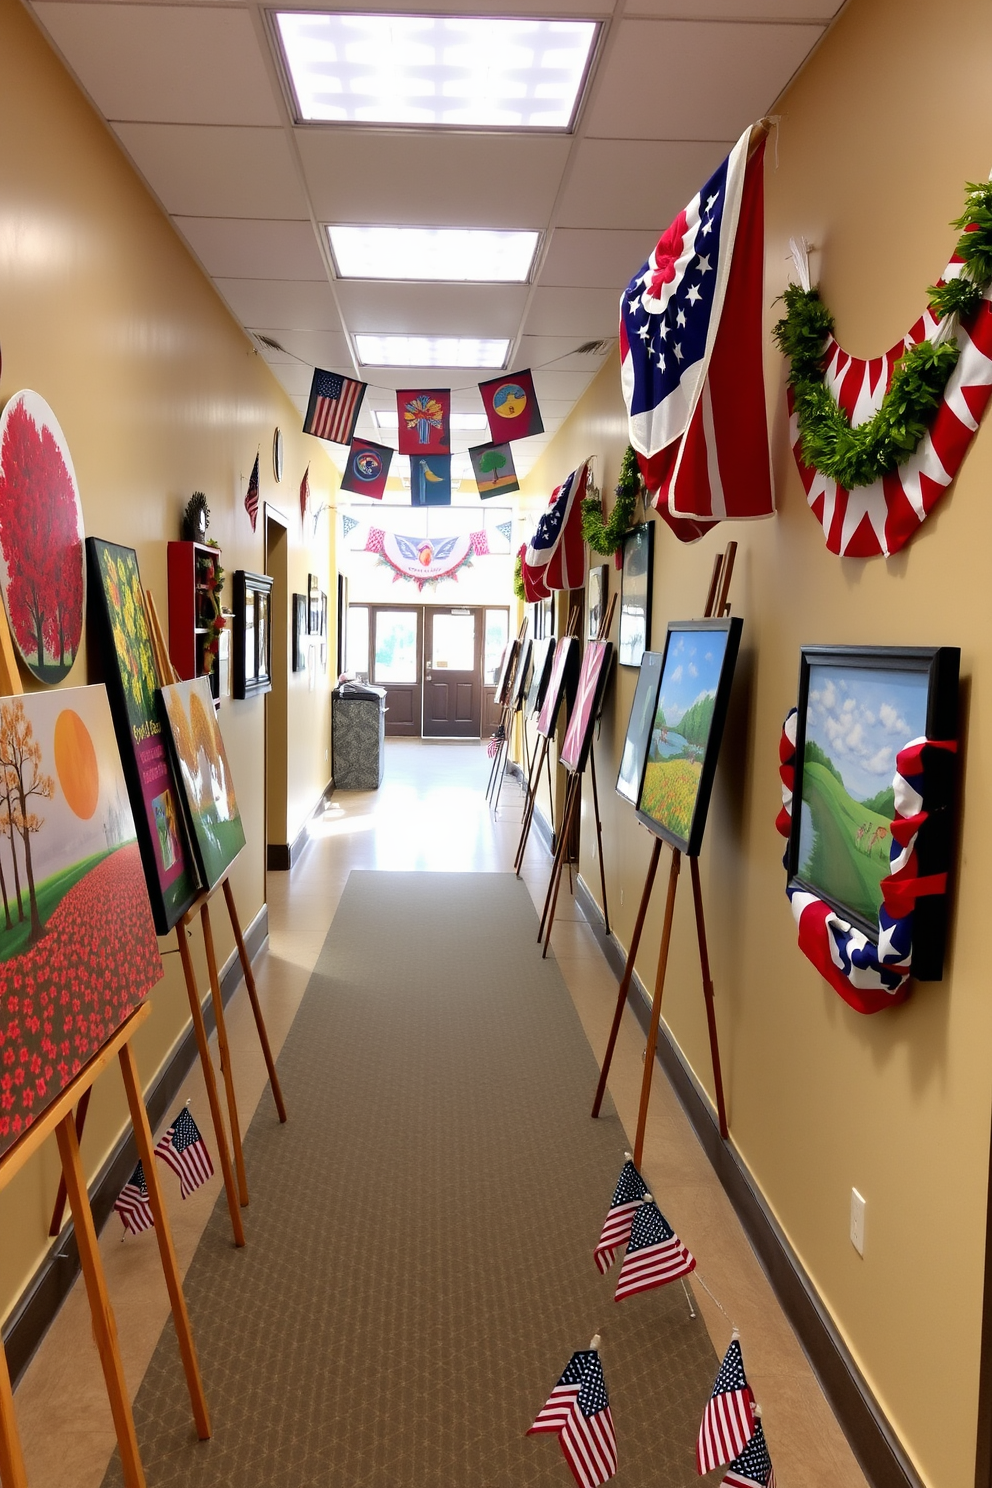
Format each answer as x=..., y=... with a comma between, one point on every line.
x=537, y=351
x=165, y=63
x=601, y=258
x=234, y=248
x=408, y=178
x=693, y=80
x=199, y=171
x=315, y=348
x=562, y=387
x=285, y=303
x=740, y=10
x=558, y=312
x=432, y=309
x=636, y=184
x=294, y=378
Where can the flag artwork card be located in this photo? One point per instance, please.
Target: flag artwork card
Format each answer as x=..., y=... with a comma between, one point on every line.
x=208, y=788
x=367, y=468
x=334, y=406
x=430, y=480
x=561, y=687
x=492, y=466
x=511, y=407
x=424, y=416
x=593, y=677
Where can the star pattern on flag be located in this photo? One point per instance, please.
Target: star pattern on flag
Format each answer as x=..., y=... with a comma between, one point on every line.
x=728, y=1420
x=753, y=1468
x=627, y=1196
x=184, y=1151
x=655, y=1254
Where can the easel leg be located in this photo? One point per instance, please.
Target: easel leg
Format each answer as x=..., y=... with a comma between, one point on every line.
x=210, y=1081
x=59, y=1210
x=170, y=1266
x=551, y=789
x=556, y=865
x=12, y=1470
x=263, y=1036
x=704, y=966
x=225, y=1054
x=628, y=973
x=599, y=836
x=532, y=784
x=659, y=987
x=104, y=1327
x=571, y=803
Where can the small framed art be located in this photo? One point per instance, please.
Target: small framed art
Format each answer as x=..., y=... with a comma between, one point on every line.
x=635, y=594
x=562, y=682
x=541, y=659
x=598, y=587
x=313, y=592
x=300, y=622
x=638, y=736
x=593, y=677
x=252, y=664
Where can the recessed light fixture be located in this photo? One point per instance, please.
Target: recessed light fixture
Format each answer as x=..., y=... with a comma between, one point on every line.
x=444, y=253
x=461, y=423
x=430, y=351
x=461, y=71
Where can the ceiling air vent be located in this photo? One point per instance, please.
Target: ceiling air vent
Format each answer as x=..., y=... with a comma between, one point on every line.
x=593, y=348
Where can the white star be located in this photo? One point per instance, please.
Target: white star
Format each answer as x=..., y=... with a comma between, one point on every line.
x=694, y=296
x=678, y=351
x=661, y=364
x=633, y=304
x=705, y=267
x=711, y=202
x=663, y=330
x=644, y=331
x=680, y=318
x=707, y=228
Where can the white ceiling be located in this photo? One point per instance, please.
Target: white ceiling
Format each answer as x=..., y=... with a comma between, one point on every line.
x=194, y=93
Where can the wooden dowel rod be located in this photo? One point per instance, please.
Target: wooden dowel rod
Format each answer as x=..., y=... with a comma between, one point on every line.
x=57, y=1213
x=628, y=973
x=599, y=836
x=224, y=1051
x=12, y=1470
x=711, y=593
x=571, y=802
x=256, y=1007
x=166, y=670
x=725, y=578
x=704, y=966
x=659, y=987
x=556, y=861
x=163, y=1234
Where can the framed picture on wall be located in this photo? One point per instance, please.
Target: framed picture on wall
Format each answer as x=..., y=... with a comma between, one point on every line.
x=635, y=594
x=598, y=588
x=300, y=623
x=342, y=637
x=313, y=591
x=252, y=664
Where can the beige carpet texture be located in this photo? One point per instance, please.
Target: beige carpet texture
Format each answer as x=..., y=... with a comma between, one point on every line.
x=419, y=1262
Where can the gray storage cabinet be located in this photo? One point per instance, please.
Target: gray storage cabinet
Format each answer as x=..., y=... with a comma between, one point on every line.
x=358, y=731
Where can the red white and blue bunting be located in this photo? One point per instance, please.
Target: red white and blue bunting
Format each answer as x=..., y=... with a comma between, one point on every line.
x=426, y=560
x=869, y=976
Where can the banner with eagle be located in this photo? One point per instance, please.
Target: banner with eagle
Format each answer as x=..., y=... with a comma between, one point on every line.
x=425, y=560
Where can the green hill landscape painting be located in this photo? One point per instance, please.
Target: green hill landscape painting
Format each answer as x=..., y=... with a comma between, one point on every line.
x=856, y=722
x=681, y=729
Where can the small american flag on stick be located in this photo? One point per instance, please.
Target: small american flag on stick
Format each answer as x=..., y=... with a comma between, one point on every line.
x=335, y=403
x=578, y=1411
x=728, y=1420
x=753, y=1468
x=251, y=495
x=133, y=1204
x=304, y=495
x=655, y=1254
x=629, y=1192
x=184, y=1151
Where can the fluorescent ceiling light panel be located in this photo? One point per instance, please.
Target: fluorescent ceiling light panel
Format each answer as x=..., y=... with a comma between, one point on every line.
x=443, y=253
x=459, y=71
x=430, y=351
x=388, y=418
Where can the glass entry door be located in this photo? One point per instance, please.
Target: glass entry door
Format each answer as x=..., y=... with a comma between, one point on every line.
x=453, y=673
x=396, y=649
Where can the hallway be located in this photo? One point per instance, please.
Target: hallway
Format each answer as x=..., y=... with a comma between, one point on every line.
x=430, y=815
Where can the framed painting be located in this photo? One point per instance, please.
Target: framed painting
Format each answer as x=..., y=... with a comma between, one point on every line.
x=635, y=594
x=544, y=618
x=858, y=707
x=542, y=657
x=599, y=584
x=300, y=631
x=313, y=593
x=562, y=682
x=638, y=736
x=594, y=676
x=121, y=647
x=208, y=790
x=78, y=951
x=697, y=672
x=521, y=681
x=42, y=564
x=507, y=672
x=252, y=634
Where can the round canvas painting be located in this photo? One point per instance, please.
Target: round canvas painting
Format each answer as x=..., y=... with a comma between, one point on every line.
x=42, y=565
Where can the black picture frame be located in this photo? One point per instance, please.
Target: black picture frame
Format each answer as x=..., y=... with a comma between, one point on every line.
x=507, y=672
x=667, y=804
x=252, y=661
x=544, y=618
x=599, y=588
x=636, y=583
x=563, y=680
x=342, y=635
x=633, y=756
x=300, y=631
x=541, y=659
x=929, y=676
x=521, y=680
x=313, y=592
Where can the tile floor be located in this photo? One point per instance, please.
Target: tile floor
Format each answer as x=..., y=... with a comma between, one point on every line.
x=430, y=814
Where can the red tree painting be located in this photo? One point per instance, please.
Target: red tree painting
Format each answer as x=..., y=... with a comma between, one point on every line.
x=41, y=539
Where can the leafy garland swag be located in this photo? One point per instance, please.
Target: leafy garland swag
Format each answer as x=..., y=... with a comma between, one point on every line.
x=861, y=456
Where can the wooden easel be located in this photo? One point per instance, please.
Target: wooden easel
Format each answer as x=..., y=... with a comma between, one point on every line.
x=508, y=708
x=58, y=1118
x=573, y=796
x=716, y=605
x=541, y=759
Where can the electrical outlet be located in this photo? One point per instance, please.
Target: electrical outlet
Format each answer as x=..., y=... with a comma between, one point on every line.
x=857, y=1222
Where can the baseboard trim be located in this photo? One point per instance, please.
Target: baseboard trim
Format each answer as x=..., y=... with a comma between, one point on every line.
x=50, y=1285
x=280, y=857
x=873, y=1441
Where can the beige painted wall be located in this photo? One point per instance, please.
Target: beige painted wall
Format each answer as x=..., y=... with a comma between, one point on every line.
x=878, y=136
x=103, y=312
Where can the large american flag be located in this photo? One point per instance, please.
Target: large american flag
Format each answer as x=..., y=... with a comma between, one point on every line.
x=627, y=1196
x=555, y=557
x=334, y=406
x=753, y=1468
x=728, y=1420
x=133, y=1204
x=690, y=354
x=184, y=1151
x=578, y=1410
x=655, y=1254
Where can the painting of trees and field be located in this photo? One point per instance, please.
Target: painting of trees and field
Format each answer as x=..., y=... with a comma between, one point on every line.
x=856, y=722
x=681, y=729
x=78, y=950
x=205, y=776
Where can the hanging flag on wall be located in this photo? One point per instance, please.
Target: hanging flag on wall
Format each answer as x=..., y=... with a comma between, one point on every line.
x=424, y=416
x=492, y=466
x=578, y=1412
x=690, y=353
x=304, y=495
x=511, y=407
x=185, y=1152
x=430, y=480
x=728, y=1421
x=251, y=495
x=367, y=468
x=133, y=1204
x=555, y=558
x=334, y=406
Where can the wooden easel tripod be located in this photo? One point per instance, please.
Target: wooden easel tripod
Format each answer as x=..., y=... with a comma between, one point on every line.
x=716, y=605
x=541, y=760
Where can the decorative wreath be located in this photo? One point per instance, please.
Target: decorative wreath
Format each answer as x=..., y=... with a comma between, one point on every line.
x=870, y=976
x=518, y=575
x=606, y=535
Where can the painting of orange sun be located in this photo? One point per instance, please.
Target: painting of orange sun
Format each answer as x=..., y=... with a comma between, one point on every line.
x=75, y=764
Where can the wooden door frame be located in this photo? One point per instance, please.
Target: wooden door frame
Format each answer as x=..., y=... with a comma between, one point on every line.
x=479, y=611
x=418, y=610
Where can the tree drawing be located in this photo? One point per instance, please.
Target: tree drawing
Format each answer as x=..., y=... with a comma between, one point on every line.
x=7, y=818
x=41, y=543
x=492, y=461
x=20, y=760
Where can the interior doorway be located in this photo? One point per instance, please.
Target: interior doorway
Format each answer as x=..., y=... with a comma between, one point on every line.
x=453, y=673
x=276, y=699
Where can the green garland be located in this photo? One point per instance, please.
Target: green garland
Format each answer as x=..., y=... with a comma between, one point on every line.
x=606, y=537
x=518, y=577
x=861, y=456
